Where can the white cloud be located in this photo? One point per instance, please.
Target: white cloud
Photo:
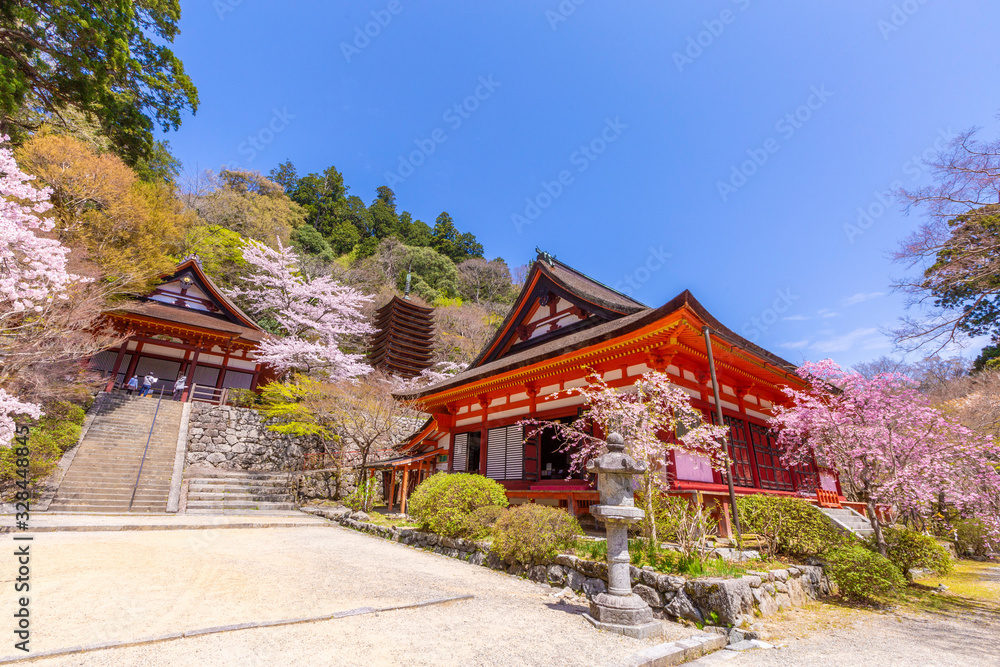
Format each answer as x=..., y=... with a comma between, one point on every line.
x=795, y=344
x=795, y=318
x=864, y=339
x=861, y=297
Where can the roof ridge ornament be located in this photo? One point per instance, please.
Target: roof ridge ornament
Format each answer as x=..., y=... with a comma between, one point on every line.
x=546, y=257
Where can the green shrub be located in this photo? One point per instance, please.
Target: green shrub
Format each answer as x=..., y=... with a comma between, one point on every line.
x=244, y=398
x=365, y=495
x=668, y=513
x=788, y=526
x=443, y=502
x=531, y=533
x=862, y=574
x=908, y=549
x=56, y=432
x=479, y=524
x=972, y=539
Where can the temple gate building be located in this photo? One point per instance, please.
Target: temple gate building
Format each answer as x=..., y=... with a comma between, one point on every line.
x=186, y=326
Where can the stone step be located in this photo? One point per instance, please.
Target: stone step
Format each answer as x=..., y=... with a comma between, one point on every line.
x=240, y=497
x=219, y=488
x=240, y=505
x=202, y=473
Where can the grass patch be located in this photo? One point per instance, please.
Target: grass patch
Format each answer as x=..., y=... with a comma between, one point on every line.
x=972, y=587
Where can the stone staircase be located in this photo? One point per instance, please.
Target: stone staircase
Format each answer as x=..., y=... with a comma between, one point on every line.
x=214, y=491
x=103, y=472
x=849, y=520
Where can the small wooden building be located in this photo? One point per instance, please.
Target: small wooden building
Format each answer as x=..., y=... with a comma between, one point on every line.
x=403, y=342
x=565, y=323
x=186, y=326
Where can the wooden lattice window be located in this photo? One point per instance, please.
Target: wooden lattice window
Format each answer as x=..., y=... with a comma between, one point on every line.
x=739, y=452
x=770, y=472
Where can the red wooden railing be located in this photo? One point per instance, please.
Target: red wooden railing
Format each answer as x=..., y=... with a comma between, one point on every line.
x=827, y=498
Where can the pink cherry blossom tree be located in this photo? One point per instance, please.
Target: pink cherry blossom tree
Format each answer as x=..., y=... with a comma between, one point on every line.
x=318, y=318
x=890, y=446
x=33, y=277
x=654, y=416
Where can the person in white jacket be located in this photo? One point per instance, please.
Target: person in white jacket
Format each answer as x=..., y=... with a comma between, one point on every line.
x=179, y=386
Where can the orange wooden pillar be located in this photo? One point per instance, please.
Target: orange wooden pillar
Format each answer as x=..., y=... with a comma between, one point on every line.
x=392, y=489
x=725, y=522
x=405, y=485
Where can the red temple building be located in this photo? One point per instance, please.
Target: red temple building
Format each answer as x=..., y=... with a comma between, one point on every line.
x=186, y=326
x=563, y=326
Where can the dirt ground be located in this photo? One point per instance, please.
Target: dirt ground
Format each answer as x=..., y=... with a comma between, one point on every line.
x=102, y=586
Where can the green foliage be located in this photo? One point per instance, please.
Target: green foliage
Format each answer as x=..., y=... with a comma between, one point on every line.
x=244, y=398
x=787, y=526
x=668, y=513
x=365, y=495
x=592, y=549
x=862, y=574
x=532, y=533
x=342, y=237
x=449, y=242
x=291, y=405
x=56, y=432
x=479, y=524
x=443, y=502
x=220, y=251
x=310, y=242
x=433, y=275
x=107, y=60
x=972, y=539
x=908, y=549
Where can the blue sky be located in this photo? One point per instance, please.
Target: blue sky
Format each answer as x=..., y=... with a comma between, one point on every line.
x=621, y=141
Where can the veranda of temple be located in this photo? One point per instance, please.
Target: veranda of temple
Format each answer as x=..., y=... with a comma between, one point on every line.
x=563, y=327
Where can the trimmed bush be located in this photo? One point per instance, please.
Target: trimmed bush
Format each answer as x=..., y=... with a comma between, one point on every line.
x=908, y=549
x=479, y=524
x=56, y=432
x=862, y=574
x=972, y=539
x=788, y=526
x=443, y=502
x=534, y=534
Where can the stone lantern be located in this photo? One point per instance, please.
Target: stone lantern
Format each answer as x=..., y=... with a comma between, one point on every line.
x=619, y=610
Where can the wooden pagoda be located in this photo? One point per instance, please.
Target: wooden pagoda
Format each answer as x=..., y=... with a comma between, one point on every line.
x=403, y=341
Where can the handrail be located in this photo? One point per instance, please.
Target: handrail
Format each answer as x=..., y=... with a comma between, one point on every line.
x=144, y=451
x=208, y=394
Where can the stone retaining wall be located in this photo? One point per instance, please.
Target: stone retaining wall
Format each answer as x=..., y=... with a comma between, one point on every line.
x=735, y=602
x=238, y=439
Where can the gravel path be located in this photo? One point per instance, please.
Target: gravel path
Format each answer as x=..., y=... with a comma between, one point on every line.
x=888, y=640
x=94, y=587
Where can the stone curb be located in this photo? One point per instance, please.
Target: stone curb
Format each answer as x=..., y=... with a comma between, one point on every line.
x=180, y=453
x=206, y=526
x=676, y=652
x=223, y=628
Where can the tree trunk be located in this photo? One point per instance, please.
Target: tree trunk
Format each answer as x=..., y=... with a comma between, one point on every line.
x=650, y=517
x=877, y=527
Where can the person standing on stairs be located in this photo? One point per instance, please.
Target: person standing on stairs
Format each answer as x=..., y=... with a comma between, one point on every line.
x=147, y=384
x=133, y=384
x=179, y=387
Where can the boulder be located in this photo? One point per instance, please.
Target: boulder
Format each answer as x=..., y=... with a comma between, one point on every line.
x=796, y=592
x=594, y=586
x=668, y=583
x=780, y=575
x=650, y=595
x=567, y=560
x=575, y=580
x=731, y=599
x=784, y=602
x=753, y=580
x=359, y=516
x=765, y=603
x=682, y=607
x=556, y=575
x=538, y=573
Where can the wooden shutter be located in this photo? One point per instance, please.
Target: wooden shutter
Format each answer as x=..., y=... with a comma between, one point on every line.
x=531, y=456
x=515, y=452
x=496, y=453
x=460, y=452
